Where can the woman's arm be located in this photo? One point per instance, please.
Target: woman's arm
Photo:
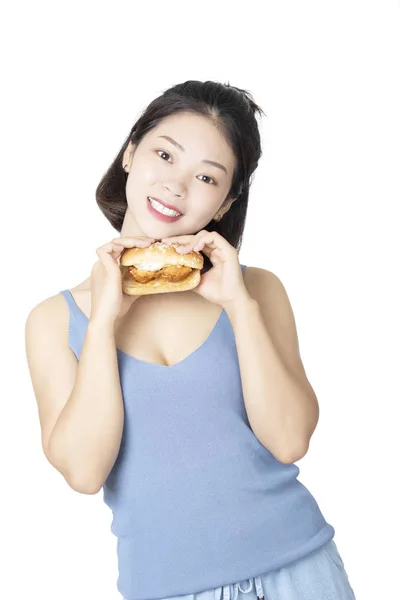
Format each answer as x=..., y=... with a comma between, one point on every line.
x=281, y=405
x=80, y=403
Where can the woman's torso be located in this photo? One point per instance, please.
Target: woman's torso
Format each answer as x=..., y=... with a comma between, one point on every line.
x=193, y=490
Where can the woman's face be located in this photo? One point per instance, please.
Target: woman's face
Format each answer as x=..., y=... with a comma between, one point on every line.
x=176, y=172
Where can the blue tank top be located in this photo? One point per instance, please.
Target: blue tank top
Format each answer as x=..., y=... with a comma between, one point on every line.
x=197, y=501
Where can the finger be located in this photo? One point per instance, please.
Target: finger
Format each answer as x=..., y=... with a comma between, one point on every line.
x=129, y=238
x=107, y=248
x=106, y=259
x=191, y=235
x=180, y=239
x=184, y=249
x=199, y=243
x=113, y=250
x=130, y=242
x=214, y=241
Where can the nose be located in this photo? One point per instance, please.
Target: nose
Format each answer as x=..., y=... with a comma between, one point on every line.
x=174, y=187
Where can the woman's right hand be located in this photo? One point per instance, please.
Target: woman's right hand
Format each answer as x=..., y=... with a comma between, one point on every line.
x=108, y=302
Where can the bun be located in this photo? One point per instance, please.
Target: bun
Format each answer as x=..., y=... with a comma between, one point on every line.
x=161, y=253
x=157, y=269
x=160, y=285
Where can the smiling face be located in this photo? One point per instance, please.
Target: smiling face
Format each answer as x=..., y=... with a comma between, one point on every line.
x=185, y=163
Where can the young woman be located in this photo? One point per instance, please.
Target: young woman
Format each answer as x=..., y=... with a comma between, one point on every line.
x=188, y=409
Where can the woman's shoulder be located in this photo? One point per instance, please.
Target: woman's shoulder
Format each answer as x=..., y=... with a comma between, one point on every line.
x=48, y=319
x=54, y=309
x=256, y=279
x=256, y=272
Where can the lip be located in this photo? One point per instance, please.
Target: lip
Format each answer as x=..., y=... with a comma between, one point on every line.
x=160, y=216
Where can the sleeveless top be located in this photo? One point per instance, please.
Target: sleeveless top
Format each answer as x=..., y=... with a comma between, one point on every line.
x=197, y=501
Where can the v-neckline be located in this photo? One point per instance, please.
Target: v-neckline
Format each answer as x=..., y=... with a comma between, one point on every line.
x=157, y=365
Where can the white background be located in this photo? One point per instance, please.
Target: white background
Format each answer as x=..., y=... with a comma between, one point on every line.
x=321, y=216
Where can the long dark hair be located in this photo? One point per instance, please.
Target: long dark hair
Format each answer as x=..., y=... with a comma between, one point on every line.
x=233, y=111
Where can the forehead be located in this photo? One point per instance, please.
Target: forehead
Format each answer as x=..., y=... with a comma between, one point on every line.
x=197, y=134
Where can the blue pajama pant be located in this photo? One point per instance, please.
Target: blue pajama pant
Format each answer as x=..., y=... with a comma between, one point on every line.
x=320, y=575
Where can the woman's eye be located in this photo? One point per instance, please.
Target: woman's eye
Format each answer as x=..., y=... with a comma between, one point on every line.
x=207, y=177
x=159, y=152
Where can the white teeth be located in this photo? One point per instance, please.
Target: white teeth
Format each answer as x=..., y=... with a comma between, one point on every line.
x=162, y=209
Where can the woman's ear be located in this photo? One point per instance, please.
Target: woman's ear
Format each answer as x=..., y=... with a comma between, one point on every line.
x=223, y=209
x=128, y=155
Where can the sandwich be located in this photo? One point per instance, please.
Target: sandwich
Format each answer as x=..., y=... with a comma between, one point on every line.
x=159, y=268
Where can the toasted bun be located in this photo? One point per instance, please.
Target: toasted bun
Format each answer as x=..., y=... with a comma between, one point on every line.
x=160, y=253
x=158, y=286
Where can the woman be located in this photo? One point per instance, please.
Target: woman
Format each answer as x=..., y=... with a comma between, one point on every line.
x=188, y=409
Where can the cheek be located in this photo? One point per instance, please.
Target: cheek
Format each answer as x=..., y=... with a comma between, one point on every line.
x=205, y=203
x=201, y=210
x=141, y=175
x=149, y=170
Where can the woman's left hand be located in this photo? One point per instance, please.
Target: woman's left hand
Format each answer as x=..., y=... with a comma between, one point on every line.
x=223, y=284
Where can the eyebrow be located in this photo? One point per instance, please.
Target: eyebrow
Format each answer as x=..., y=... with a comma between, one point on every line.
x=210, y=162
